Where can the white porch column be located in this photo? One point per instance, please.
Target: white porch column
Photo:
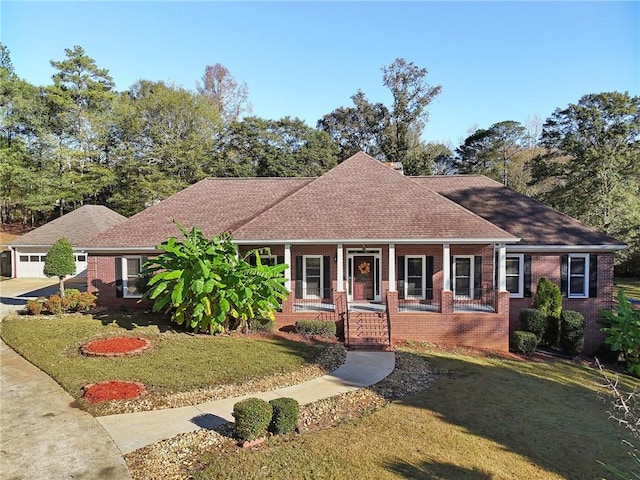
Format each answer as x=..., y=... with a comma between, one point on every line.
x=340, y=268
x=446, y=267
x=392, y=267
x=287, y=260
x=502, y=267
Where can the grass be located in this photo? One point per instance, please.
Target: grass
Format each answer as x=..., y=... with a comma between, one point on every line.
x=178, y=361
x=631, y=286
x=484, y=418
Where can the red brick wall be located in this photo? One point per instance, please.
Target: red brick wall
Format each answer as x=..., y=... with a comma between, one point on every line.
x=548, y=266
x=101, y=280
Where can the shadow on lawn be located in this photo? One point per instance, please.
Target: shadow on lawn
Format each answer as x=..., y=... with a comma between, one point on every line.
x=544, y=411
x=435, y=471
x=130, y=321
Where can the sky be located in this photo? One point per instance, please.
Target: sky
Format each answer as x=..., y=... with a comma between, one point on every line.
x=495, y=61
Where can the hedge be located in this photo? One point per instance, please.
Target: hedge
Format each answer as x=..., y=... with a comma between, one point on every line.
x=285, y=415
x=252, y=418
x=321, y=328
x=524, y=343
x=571, y=331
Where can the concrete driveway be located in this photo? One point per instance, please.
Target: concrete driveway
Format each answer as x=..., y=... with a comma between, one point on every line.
x=15, y=292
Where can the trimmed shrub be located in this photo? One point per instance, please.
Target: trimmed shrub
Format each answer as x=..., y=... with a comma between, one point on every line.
x=285, y=415
x=532, y=320
x=524, y=343
x=34, y=307
x=263, y=325
x=57, y=305
x=253, y=416
x=79, y=301
x=548, y=299
x=571, y=331
x=320, y=328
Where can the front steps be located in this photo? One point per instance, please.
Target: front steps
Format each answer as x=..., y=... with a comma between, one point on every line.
x=368, y=331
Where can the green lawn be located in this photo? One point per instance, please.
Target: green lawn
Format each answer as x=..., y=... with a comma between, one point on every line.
x=178, y=361
x=483, y=418
x=631, y=286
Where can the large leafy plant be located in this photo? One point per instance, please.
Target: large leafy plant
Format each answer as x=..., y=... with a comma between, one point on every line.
x=206, y=285
x=623, y=331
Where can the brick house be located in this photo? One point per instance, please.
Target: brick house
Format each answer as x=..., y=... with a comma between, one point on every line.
x=447, y=259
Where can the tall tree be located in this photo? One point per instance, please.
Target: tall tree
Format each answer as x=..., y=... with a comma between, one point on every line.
x=80, y=100
x=358, y=128
x=162, y=140
x=428, y=159
x=411, y=95
x=593, y=152
x=276, y=148
x=222, y=90
x=492, y=151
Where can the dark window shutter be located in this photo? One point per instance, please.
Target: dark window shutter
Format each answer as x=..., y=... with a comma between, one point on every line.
x=326, y=276
x=119, y=289
x=564, y=275
x=496, y=270
x=593, y=276
x=280, y=259
x=298, y=277
x=527, y=275
x=477, y=277
x=429, y=279
x=401, y=277
x=143, y=283
x=251, y=260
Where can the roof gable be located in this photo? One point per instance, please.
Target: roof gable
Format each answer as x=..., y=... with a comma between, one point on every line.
x=78, y=226
x=533, y=221
x=361, y=199
x=215, y=205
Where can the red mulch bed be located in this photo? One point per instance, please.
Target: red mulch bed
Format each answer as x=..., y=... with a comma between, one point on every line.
x=116, y=346
x=112, y=390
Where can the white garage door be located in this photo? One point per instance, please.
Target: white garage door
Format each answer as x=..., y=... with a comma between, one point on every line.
x=31, y=265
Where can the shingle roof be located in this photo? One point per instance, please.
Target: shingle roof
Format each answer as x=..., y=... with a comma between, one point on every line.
x=534, y=222
x=363, y=199
x=215, y=205
x=78, y=226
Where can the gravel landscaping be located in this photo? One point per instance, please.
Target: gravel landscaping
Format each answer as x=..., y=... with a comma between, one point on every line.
x=175, y=458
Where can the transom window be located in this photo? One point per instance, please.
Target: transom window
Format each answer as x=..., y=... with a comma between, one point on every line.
x=515, y=275
x=578, y=275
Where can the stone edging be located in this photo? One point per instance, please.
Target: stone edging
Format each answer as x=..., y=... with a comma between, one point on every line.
x=84, y=349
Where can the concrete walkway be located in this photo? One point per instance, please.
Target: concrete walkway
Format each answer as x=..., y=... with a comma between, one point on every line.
x=131, y=431
x=43, y=436
x=15, y=292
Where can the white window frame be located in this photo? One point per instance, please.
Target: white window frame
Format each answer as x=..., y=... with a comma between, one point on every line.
x=469, y=294
x=305, y=293
x=269, y=257
x=520, y=257
x=125, y=276
x=423, y=283
x=585, y=292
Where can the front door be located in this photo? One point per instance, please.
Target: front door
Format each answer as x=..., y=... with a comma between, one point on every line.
x=363, y=278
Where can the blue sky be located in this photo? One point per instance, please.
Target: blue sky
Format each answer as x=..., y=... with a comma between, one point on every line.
x=495, y=60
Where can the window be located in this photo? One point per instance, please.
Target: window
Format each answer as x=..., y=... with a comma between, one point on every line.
x=415, y=276
x=43, y=258
x=34, y=258
x=24, y=258
x=463, y=276
x=81, y=258
x=270, y=260
x=312, y=276
x=515, y=275
x=131, y=267
x=578, y=275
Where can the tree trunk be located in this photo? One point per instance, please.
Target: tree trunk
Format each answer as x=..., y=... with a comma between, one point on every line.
x=61, y=286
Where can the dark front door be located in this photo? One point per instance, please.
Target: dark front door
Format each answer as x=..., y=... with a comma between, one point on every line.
x=363, y=278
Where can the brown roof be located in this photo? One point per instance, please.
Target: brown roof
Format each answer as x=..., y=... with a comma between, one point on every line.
x=361, y=199
x=534, y=222
x=78, y=226
x=215, y=205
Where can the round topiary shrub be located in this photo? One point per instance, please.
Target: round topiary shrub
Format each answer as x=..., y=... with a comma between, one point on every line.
x=571, y=332
x=285, y=415
x=321, y=328
x=532, y=320
x=252, y=416
x=524, y=343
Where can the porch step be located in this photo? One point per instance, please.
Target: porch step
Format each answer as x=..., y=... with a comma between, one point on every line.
x=368, y=331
